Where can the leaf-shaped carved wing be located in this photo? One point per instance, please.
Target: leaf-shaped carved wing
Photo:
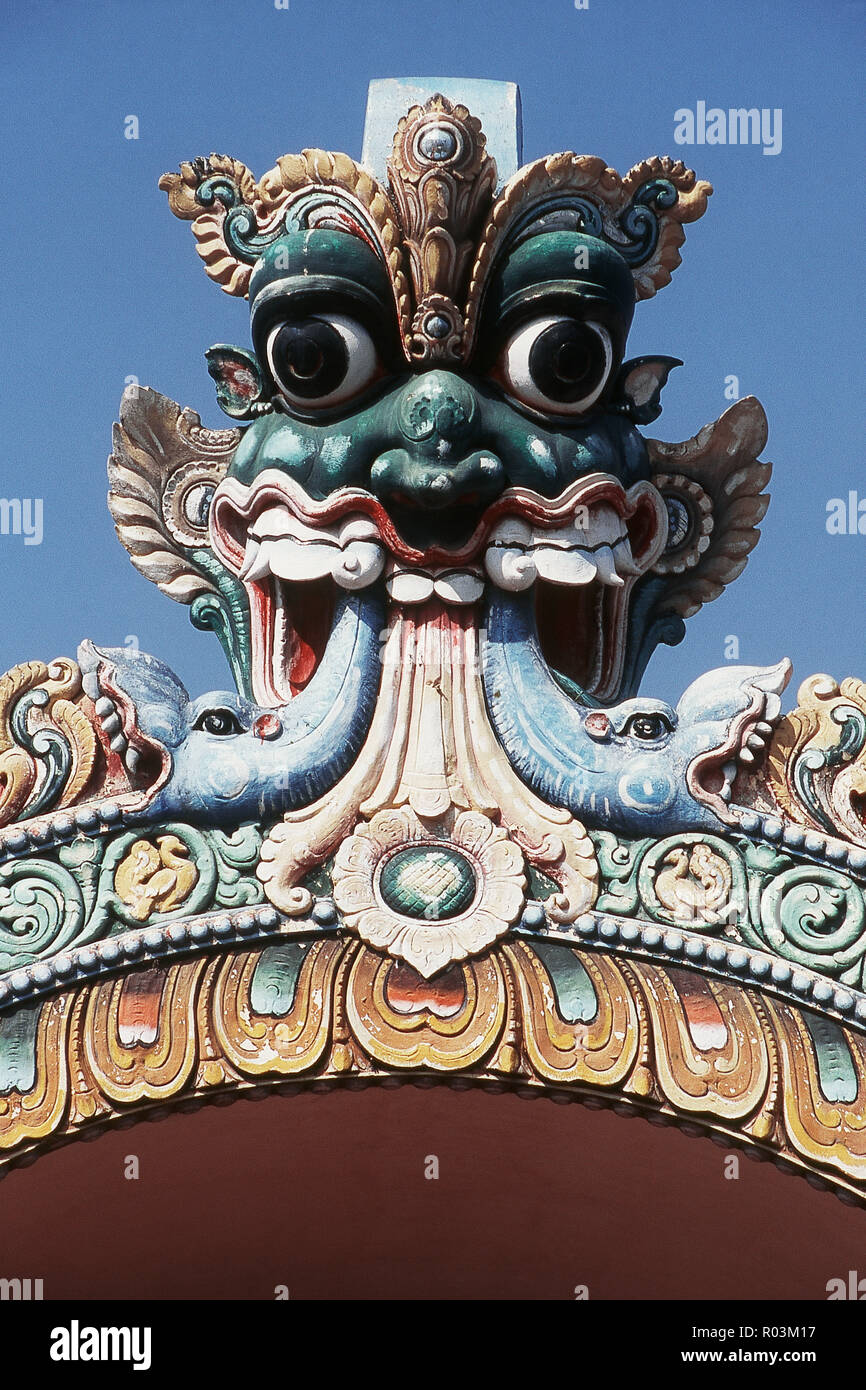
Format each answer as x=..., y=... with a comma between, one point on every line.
x=714, y=487
x=162, y=472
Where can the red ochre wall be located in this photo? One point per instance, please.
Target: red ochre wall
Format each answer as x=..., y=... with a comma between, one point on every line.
x=327, y=1194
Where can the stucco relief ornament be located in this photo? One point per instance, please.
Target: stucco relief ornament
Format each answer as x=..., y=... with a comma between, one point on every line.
x=429, y=901
x=436, y=828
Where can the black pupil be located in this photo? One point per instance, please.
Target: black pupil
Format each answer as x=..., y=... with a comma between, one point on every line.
x=310, y=358
x=648, y=726
x=567, y=361
x=219, y=723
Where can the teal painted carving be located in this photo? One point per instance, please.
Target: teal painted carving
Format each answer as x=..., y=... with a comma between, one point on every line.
x=576, y=999
x=42, y=910
x=93, y=888
x=434, y=883
x=438, y=546
x=275, y=978
x=836, y=1070
x=810, y=914
x=18, y=1050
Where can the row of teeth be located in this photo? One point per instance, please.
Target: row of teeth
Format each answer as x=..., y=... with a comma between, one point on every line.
x=106, y=713
x=519, y=553
x=752, y=748
x=352, y=554
x=459, y=586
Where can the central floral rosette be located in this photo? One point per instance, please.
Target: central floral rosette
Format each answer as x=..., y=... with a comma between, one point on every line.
x=426, y=898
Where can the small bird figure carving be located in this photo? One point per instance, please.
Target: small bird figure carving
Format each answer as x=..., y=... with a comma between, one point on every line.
x=155, y=877
x=695, y=886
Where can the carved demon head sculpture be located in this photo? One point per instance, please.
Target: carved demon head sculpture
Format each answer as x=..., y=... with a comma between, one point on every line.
x=438, y=550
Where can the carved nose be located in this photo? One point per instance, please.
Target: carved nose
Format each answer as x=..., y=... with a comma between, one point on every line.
x=438, y=406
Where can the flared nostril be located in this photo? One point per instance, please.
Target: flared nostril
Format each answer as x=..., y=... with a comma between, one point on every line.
x=437, y=406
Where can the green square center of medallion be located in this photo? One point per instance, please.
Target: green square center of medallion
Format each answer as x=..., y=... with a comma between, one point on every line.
x=430, y=882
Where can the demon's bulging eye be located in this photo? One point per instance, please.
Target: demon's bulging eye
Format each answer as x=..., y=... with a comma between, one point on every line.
x=648, y=727
x=557, y=364
x=321, y=361
x=218, y=721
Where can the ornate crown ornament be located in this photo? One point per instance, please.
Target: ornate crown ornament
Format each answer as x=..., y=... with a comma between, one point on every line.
x=438, y=226
x=436, y=830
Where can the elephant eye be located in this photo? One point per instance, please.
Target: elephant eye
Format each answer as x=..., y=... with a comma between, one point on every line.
x=319, y=362
x=218, y=721
x=648, y=727
x=557, y=365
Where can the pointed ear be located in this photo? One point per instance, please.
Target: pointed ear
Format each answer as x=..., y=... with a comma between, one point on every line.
x=239, y=382
x=159, y=697
x=639, y=385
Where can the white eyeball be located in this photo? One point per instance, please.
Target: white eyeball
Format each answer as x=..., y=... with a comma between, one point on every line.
x=321, y=361
x=556, y=364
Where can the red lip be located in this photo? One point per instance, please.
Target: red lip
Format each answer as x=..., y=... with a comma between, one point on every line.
x=235, y=506
x=581, y=629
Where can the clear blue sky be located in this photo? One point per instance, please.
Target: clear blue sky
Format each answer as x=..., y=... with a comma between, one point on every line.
x=100, y=281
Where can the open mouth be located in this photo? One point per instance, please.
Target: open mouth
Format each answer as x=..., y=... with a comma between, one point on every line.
x=712, y=776
x=581, y=567
x=582, y=633
x=581, y=553
x=144, y=761
x=291, y=623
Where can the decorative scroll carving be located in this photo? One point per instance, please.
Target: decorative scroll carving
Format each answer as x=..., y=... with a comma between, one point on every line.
x=234, y=218
x=48, y=747
x=601, y=1050
x=822, y=1130
x=285, y=1044
x=450, y=229
x=34, y=1113
x=713, y=486
x=151, y=1064
x=817, y=759
x=163, y=470
x=711, y=1051
x=401, y=1020
x=642, y=215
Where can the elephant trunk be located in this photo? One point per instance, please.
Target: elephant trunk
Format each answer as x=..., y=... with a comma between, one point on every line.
x=538, y=725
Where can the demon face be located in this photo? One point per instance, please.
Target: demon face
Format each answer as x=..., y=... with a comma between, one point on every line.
x=437, y=407
x=522, y=469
